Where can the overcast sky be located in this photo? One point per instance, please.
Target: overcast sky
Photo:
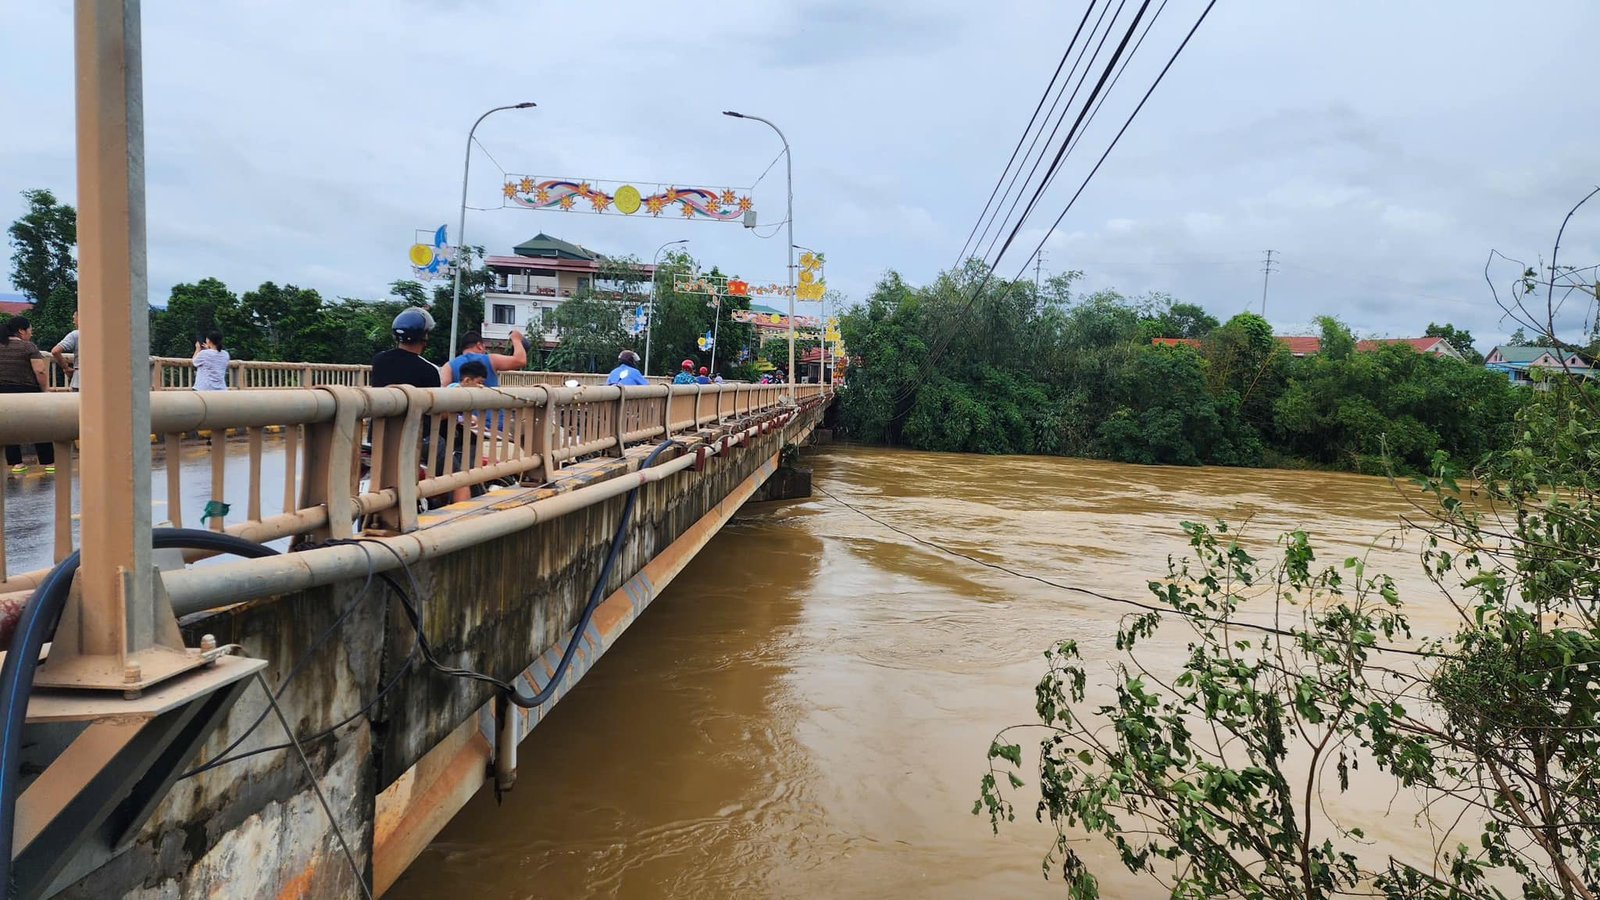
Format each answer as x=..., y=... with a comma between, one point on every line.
x=1382, y=148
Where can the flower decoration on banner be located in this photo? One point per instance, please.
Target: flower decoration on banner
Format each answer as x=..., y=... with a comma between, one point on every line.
x=812, y=286
x=737, y=288
x=430, y=257
x=715, y=285
x=774, y=319
x=717, y=204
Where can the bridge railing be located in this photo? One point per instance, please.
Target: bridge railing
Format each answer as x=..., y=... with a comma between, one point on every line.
x=334, y=460
x=174, y=373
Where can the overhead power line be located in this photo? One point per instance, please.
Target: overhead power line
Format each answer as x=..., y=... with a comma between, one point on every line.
x=1025, y=131
x=939, y=346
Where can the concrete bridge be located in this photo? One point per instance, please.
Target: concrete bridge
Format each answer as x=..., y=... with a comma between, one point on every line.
x=497, y=585
x=301, y=723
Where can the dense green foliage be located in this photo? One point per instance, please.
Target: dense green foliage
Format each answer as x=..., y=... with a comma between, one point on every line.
x=1209, y=774
x=1050, y=371
x=43, y=265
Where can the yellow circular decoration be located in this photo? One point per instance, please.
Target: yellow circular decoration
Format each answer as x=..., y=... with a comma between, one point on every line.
x=421, y=255
x=806, y=276
x=775, y=319
x=702, y=342
x=627, y=199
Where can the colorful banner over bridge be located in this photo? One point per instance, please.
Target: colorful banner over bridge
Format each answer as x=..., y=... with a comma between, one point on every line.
x=568, y=195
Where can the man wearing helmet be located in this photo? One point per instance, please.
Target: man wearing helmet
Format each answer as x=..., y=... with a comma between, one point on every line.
x=685, y=374
x=403, y=364
x=626, y=371
x=704, y=377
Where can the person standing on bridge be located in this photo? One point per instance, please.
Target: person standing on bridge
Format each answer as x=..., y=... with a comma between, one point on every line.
x=473, y=349
x=23, y=371
x=68, y=344
x=210, y=363
x=403, y=363
x=686, y=375
x=627, y=371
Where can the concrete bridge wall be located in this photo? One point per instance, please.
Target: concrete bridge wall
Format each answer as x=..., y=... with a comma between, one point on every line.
x=396, y=775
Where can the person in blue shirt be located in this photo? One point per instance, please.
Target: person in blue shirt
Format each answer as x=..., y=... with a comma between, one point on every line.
x=474, y=350
x=686, y=374
x=704, y=377
x=626, y=371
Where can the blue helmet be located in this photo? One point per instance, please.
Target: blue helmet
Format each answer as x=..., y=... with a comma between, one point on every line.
x=412, y=325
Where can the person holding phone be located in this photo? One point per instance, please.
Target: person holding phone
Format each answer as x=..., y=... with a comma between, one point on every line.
x=210, y=363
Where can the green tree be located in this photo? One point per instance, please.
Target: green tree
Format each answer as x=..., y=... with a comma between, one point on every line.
x=192, y=310
x=1458, y=338
x=1182, y=320
x=1212, y=778
x=277, y=321
x=43, y=265
x=591, y=332
x=1337, y=342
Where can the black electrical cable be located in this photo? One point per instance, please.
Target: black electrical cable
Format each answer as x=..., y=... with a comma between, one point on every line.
x=223, y=757
x=1067, y=144
x=37, y=622
x=538, y=698
x=410, y=602
x=938, y=350
x=1025, y=132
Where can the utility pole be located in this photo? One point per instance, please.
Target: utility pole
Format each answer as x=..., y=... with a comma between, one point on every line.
x=1266, y=275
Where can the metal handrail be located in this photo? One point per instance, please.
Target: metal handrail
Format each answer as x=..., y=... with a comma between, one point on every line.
x=175, y=373
x=523, y=434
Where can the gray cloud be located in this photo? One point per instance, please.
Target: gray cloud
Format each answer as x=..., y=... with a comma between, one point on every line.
x=1382, y=148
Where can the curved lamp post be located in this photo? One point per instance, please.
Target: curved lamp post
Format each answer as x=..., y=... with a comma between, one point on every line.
x=461, y=227
x=651, y=332
x=788, y=165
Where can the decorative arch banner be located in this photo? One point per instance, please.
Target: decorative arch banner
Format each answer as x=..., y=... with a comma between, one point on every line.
x=616, y=197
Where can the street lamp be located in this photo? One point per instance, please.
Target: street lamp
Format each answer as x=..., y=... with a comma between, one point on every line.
x=651, y=333
x=822, y=335
x=461, y=228
x=788, y=165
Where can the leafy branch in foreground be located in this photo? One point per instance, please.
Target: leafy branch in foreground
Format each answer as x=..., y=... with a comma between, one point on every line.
x=1209, y=774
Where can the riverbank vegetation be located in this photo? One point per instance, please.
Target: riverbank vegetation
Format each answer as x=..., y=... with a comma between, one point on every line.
x=971, y=364
x=1215, y=776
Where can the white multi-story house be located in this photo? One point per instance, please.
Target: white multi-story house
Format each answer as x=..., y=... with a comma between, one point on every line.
x=530, y=285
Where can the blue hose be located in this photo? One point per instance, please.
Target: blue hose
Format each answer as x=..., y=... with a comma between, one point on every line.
x=37, y=622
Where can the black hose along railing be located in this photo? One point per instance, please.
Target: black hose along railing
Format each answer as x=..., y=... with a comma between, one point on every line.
x=42, y=613
x=38, y=623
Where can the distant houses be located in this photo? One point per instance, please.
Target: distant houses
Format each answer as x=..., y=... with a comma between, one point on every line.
x=1519, y=363
x=1307, y=346
x=1515, y=362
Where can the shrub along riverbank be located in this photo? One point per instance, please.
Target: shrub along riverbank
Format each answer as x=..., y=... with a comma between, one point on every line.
x=1051, y=372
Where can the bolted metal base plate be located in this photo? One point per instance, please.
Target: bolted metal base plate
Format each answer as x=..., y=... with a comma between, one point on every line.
x=53, y=704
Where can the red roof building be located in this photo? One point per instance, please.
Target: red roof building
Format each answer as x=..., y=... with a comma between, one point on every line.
x=1308, y=345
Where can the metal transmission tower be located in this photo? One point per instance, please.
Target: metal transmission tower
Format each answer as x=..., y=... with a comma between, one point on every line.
x=1266, y=275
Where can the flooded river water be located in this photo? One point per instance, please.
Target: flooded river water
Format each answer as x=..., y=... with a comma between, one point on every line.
x=805, y=711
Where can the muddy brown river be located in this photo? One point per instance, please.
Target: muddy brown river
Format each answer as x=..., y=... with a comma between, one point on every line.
x=805, y=711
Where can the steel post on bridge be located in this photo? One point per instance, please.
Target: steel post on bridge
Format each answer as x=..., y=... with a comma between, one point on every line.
x=106, y=697
x=119, y=637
